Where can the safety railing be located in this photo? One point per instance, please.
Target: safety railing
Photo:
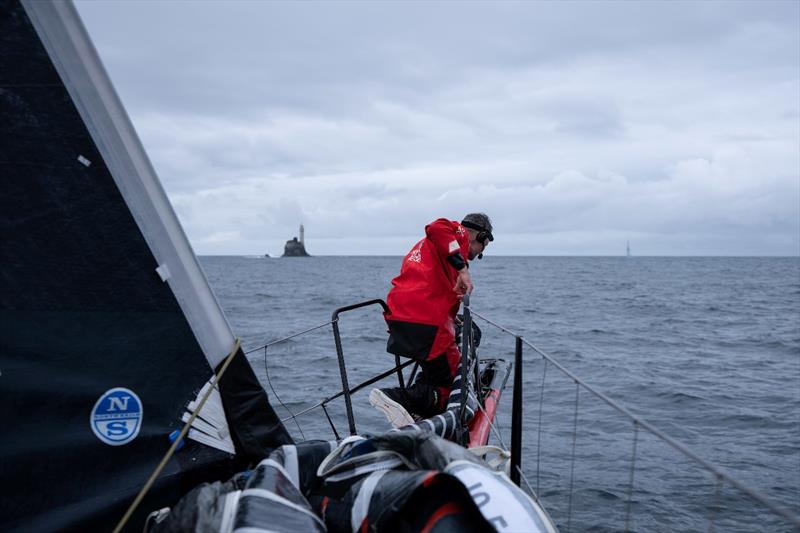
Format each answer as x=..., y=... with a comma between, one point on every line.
x=351, y=422
x=638, y=424
x=346, y=391
x=470, y=363
x=720, y=477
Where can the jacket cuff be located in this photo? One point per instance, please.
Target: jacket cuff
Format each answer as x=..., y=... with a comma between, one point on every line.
x=457, y=261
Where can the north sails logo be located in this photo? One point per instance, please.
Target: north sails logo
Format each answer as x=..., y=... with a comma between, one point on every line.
x=117, y=416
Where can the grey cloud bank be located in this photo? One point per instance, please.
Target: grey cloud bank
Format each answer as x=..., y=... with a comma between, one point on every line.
x=576, y=126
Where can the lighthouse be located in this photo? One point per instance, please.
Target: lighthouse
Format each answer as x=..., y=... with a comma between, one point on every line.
x=295, y=247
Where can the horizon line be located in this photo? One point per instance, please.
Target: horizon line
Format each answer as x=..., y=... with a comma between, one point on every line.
x=509, y=255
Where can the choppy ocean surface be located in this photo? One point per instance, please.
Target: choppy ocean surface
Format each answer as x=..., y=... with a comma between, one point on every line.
x=705, y=349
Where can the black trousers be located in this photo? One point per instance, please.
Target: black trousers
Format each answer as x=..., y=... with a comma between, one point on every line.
x=434, y=372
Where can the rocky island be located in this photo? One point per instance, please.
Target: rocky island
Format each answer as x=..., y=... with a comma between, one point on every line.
x=295, y=247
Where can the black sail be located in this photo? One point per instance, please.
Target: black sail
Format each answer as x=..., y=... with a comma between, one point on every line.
x=107, y=325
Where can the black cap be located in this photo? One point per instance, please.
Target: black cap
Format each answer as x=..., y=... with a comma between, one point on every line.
x=479, y=222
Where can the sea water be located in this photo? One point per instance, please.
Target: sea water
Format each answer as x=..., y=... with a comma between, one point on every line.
x=705, y=349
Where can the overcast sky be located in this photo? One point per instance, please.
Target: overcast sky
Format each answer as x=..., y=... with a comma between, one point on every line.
x=575, y=125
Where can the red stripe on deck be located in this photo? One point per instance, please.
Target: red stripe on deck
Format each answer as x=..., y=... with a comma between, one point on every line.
x=480, y=424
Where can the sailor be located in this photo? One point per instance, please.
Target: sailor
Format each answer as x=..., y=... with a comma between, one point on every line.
x=423, y=303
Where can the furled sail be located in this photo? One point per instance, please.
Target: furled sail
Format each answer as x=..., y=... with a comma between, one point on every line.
x=108, y=328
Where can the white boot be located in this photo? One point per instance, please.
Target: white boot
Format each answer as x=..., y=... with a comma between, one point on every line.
x=395, y=413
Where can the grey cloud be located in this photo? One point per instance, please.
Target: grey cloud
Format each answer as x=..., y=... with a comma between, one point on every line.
x=572, y=124
x=243, y=56
x=586, y=118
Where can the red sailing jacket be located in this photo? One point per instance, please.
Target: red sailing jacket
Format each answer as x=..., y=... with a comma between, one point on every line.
x=422, y=303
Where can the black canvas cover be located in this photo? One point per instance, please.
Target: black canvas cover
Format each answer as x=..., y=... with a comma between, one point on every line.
x=406, y=502
x=97, y=360
x=400, y=481
x=390, y=480
x=271, y=497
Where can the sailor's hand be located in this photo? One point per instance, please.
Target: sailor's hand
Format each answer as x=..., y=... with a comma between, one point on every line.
x=463, y=283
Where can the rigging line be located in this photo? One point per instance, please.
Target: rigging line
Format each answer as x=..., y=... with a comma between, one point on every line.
x=354, y=389
x=167, y=456
x=498, y=326
x=335, y=433
x=491, y=423
x=715, y=504
x=525, y=479
x=496, y=424
x=304, y=411
x=572, y=461
x=755, y=495
x=293, y=417
x=539, y=433
x=278, y=341
x=630, y=480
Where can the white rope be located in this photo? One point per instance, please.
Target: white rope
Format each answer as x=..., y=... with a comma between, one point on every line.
x=499, y=462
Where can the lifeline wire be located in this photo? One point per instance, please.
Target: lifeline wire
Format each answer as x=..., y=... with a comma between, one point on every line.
x=713, y=511
x=278, y=341
x=499, y=437
x=293, y=417
x=184, y=431
x=473, y=389
x=525, y=479
x=785, y=513
x=630, y=479
x=572, y=462
x=539, y=433
x=266, y=367
x=491, y=424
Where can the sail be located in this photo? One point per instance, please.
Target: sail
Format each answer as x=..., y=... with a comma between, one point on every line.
x=108, y=328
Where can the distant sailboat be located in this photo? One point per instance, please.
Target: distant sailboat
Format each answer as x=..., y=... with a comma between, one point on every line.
x=628, y=249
